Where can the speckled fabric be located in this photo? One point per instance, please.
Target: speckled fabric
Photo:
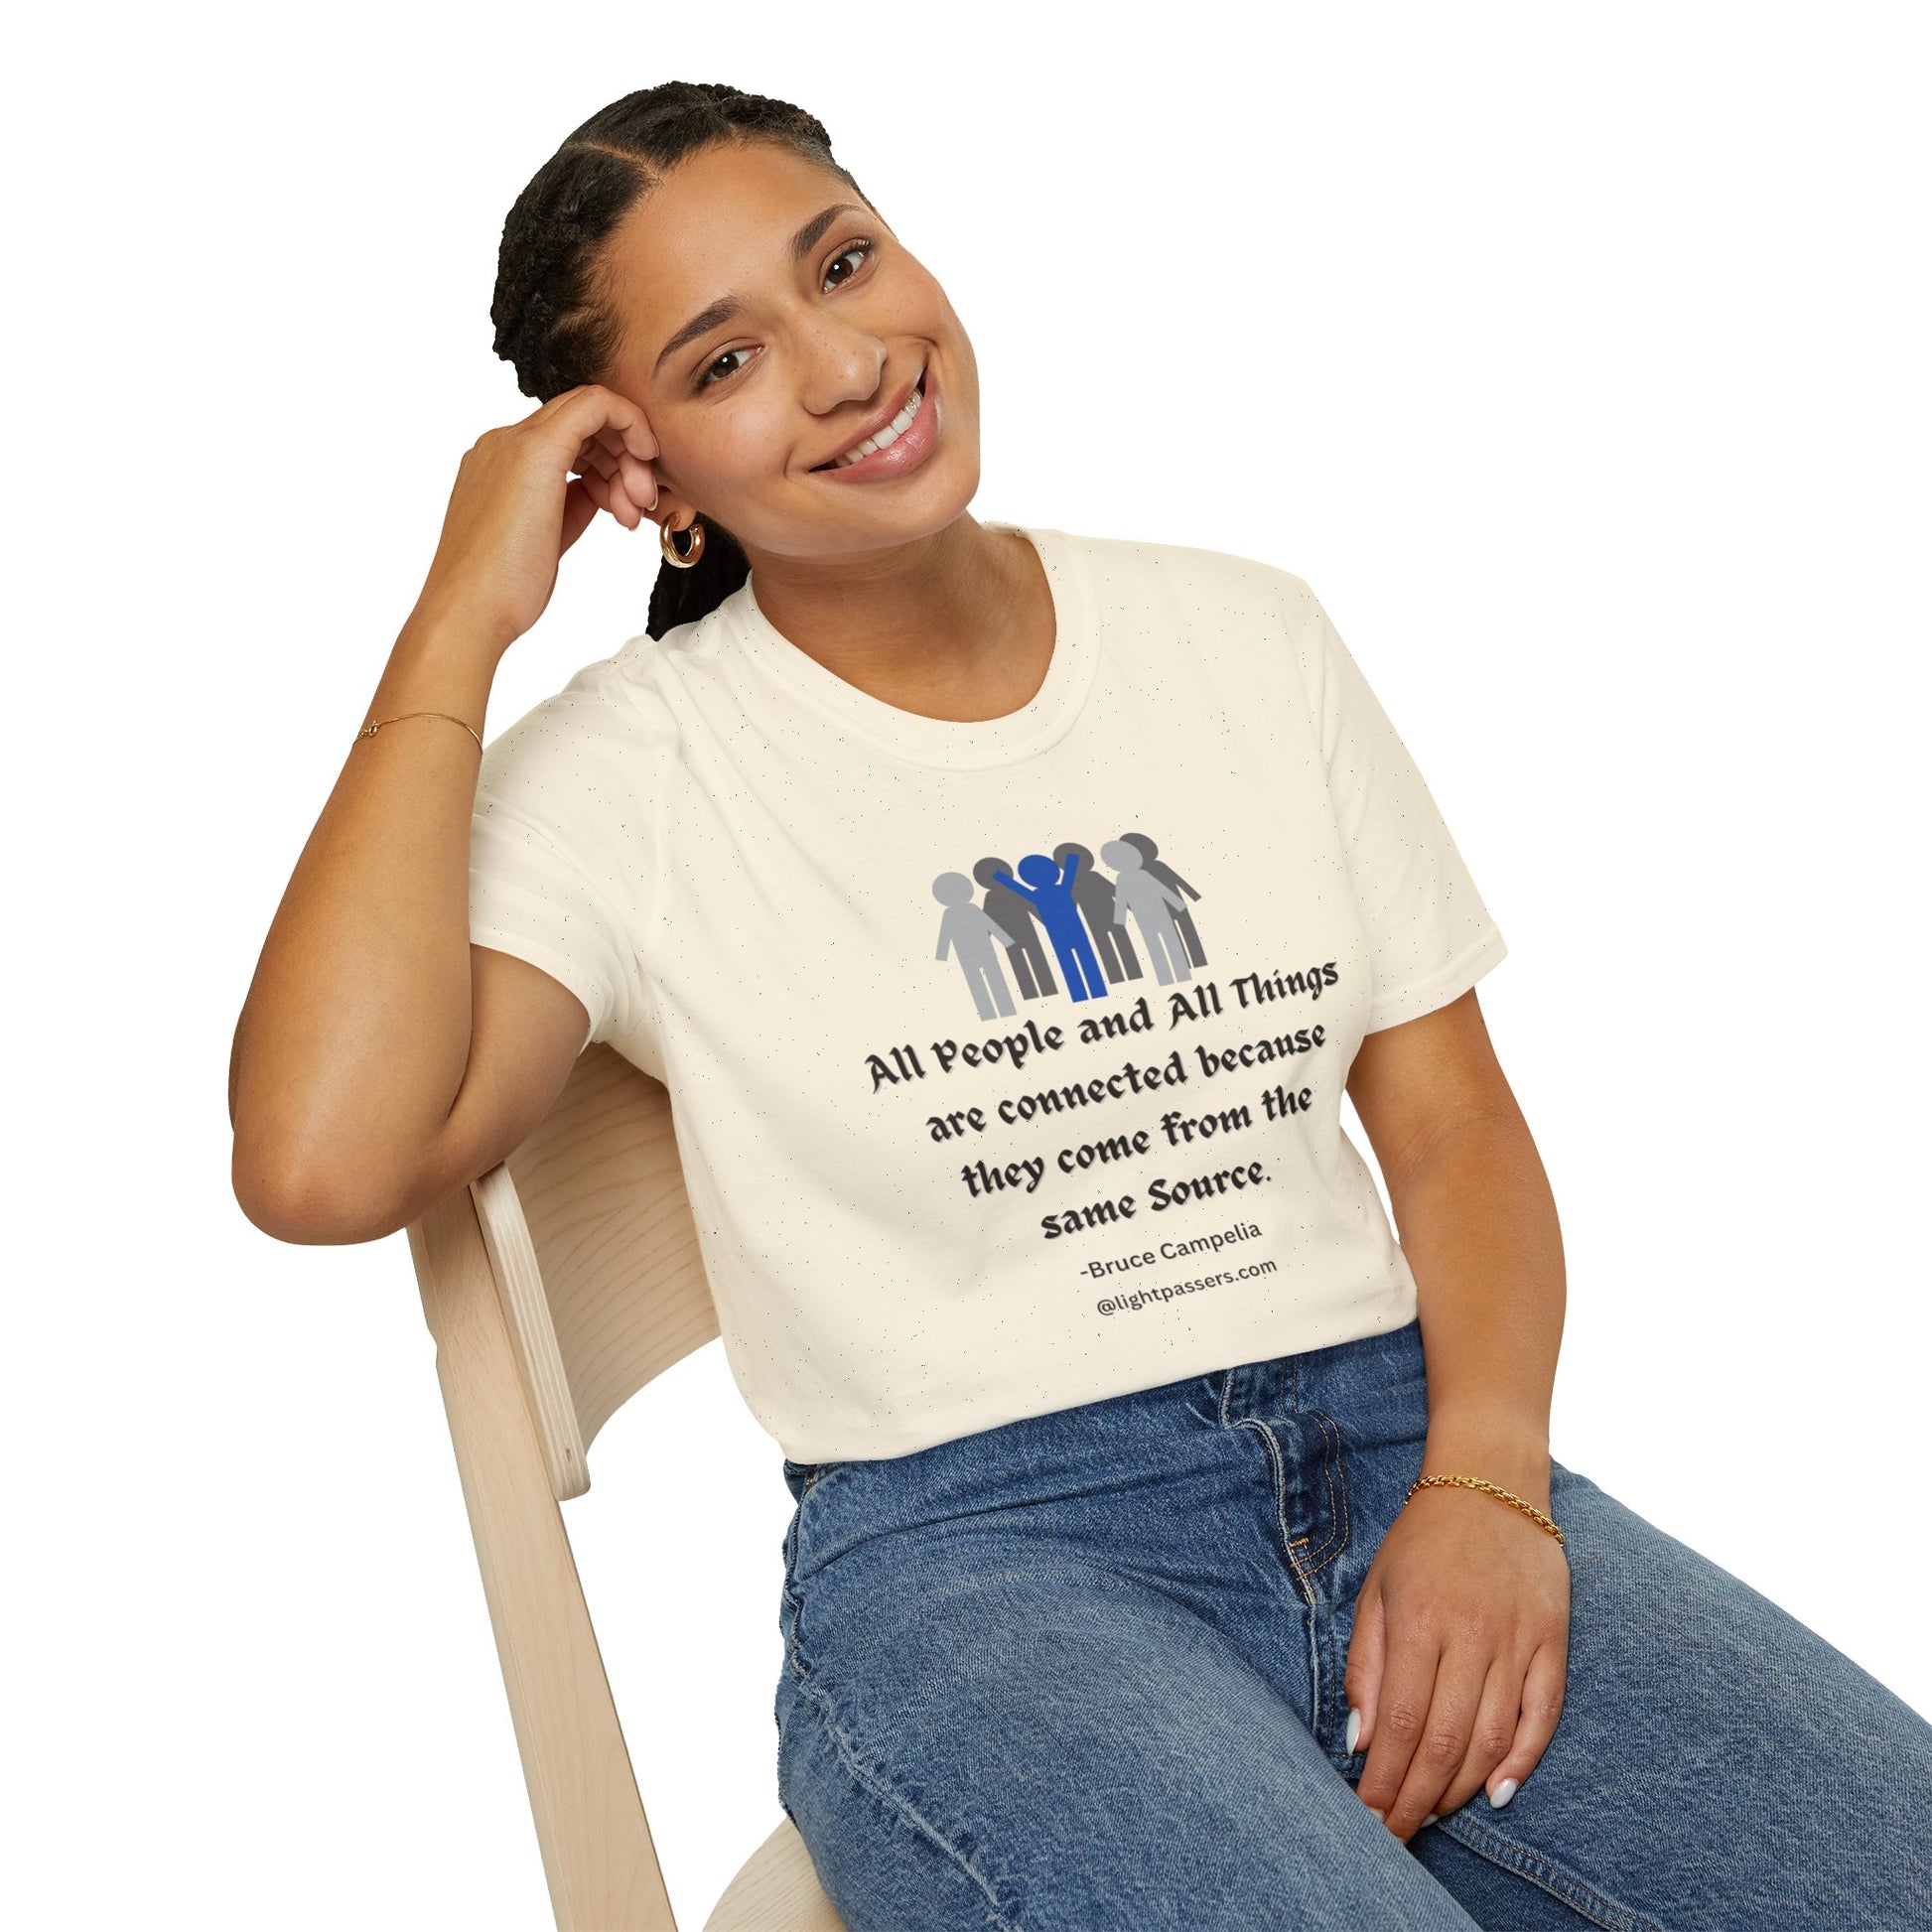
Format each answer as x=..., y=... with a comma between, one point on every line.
x=1006, y=1058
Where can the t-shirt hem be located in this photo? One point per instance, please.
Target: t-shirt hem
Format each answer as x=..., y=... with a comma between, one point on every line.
x=1390, y=1309
x=1450, y=983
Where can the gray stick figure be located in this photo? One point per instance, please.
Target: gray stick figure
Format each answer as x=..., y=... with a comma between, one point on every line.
x=1025, y=952
x=969, y=934
x=1165, y=874
x=1152, y=904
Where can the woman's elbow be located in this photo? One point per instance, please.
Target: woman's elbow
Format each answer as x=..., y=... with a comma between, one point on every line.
x=311, y=1205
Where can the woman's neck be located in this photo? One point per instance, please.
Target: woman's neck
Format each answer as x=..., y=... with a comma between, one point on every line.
x=957, y=625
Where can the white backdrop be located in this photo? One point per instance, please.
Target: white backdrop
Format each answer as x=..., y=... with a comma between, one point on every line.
x=1578, y=361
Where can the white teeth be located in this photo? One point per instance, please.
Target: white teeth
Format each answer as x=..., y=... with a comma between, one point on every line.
x=889, y=434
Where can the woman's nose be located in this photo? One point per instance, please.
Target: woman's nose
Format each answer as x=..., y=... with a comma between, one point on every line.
x=839, y=366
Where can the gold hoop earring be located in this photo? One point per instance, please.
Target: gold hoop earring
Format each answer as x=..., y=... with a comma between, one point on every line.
x=667, y=542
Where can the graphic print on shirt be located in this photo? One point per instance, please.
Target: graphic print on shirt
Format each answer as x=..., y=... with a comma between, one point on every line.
x=1104, y=1147
x=1064, y=905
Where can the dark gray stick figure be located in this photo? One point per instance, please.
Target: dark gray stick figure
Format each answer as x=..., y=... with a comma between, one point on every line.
x=1152, y=904
x=1165, y=874
x=1024, y=953
x=970, y=935
x=1093, y=893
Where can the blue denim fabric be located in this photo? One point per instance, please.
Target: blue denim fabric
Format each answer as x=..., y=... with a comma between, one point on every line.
x=1085, y=1669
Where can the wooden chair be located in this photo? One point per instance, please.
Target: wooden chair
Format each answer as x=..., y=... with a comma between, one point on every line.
x=556, y=1286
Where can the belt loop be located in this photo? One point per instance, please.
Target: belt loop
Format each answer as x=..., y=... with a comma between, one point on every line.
x=1246, y=1388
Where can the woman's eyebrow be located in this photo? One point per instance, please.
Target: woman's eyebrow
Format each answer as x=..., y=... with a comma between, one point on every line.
x=726, y=306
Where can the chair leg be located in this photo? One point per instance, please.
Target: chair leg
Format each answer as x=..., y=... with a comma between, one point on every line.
x=597, y=1855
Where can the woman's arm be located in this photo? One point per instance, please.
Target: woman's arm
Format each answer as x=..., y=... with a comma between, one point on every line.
x=1458, y=1655
x=380, y=1059
x=1476, y=1218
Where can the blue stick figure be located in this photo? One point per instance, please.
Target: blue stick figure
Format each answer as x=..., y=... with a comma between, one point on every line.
x=1052, y=892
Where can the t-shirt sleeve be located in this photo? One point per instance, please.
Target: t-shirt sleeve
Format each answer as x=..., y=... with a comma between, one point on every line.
x=555, y=856
x=1429, y=935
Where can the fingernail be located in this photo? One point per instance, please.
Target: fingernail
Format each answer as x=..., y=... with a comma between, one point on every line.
x=1354, y=1731
x=1431, y=1818
x=1378, y=1816
x=1502, y=1794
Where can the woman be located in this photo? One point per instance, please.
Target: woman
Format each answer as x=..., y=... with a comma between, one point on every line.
x=1172, y=1546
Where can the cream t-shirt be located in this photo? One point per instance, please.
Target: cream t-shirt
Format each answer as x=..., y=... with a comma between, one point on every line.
x=1005, y=1060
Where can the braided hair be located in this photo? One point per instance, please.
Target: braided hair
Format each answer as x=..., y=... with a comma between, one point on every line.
x=552, y=317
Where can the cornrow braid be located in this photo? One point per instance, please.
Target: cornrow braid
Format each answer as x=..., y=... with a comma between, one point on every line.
x=553, y=321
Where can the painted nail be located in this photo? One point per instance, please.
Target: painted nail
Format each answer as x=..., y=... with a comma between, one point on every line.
x=1502, y=1794
x=1354, y=1731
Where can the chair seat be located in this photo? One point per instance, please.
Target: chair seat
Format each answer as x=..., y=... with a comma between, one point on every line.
x=775, y=1891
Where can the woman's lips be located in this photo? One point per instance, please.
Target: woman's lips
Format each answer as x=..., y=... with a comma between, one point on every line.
x=905, y=452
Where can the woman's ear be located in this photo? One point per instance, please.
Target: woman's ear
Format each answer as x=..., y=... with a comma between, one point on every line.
x=673, y=508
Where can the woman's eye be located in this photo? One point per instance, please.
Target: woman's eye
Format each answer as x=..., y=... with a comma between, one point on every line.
x=860, y=249
x=723, y=367
x=723, y=362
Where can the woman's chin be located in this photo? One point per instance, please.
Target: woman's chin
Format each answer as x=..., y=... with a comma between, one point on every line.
x=928, y=500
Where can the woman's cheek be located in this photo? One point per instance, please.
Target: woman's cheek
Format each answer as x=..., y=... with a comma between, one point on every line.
x=745, y=453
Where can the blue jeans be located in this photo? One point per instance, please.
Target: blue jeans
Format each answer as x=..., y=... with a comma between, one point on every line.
x=1085, y=1669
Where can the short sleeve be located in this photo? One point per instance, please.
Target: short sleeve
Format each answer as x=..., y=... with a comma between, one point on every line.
x=558, y=854
x=1429, y=935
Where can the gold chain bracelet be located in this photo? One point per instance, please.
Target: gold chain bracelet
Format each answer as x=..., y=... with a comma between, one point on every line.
x=1476, y=1483
x=369, y=731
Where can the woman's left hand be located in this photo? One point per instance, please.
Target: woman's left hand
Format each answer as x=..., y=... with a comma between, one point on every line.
x=1458, y=1656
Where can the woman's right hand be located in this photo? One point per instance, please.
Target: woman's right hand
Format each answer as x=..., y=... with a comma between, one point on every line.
x=523, y=494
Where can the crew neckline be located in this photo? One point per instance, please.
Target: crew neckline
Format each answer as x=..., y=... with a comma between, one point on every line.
x=910, y=735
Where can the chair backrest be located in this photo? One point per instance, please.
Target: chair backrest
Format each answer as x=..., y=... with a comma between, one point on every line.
x=589, y=1231
x=557, y=1284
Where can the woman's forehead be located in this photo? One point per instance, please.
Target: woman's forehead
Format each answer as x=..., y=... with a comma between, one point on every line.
x=722, y=224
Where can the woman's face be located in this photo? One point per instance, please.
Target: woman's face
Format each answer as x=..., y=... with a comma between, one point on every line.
x=836, y=319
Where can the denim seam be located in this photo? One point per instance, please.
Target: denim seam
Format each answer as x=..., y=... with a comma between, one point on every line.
x=791, y=1599
x=1320, y=1656
x=1227, y=1394
x=1278, y=1466
x=877, y=1786
x=1338, y=1493
x=792, y=1663
x=1560, y=1883
x=1312, y=1560
x=1288, y=1374
x=1333, y=1727
x=1326, y=1707
x=1325, y=1703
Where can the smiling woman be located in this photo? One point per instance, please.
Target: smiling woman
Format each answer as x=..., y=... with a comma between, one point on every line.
x=1248, y=1595
x=615, y=269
